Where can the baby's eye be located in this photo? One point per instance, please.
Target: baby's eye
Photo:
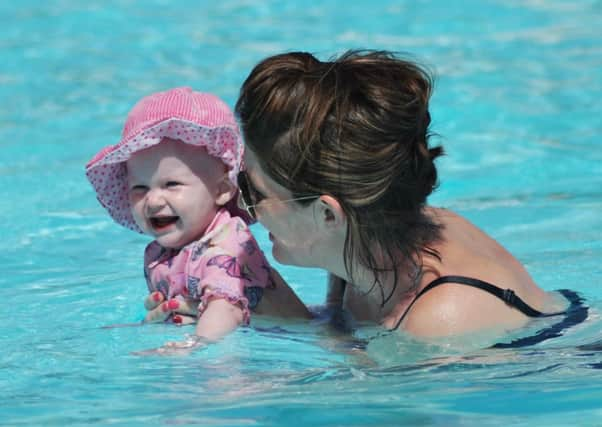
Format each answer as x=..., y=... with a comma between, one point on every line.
x=172, y=184
x=138, y=189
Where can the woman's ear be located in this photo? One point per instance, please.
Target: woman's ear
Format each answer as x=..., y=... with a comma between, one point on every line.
x=226, y=190
x=330, y=213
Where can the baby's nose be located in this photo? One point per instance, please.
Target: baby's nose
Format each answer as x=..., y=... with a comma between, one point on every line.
x=155, y=200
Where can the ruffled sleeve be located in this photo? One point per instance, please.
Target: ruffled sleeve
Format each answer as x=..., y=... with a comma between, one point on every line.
x=228, y=264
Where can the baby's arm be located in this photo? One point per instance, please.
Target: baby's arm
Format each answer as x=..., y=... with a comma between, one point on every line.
x=219, y=318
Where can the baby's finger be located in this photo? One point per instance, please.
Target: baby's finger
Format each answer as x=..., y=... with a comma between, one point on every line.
x=153, y=300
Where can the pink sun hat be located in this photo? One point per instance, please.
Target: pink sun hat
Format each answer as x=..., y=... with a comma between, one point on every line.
x=199, y=119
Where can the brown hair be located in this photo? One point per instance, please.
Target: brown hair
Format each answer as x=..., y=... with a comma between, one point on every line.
x=355, y=128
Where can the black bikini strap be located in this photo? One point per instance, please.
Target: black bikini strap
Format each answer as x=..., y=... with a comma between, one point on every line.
x=506, y=295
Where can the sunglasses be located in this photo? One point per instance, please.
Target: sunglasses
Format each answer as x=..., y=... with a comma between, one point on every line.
x=251, y=197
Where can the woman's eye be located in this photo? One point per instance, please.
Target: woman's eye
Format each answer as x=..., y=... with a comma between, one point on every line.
x=258, y=196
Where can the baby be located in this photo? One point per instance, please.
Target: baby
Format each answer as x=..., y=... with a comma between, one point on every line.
x=173, y=176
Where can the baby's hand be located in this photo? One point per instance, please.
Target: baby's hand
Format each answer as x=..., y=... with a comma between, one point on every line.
x=175, y=348
x=184, y=310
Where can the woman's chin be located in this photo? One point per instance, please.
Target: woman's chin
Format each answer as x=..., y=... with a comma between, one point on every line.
x=282, y=254
x=297, y=253
x=279, y=256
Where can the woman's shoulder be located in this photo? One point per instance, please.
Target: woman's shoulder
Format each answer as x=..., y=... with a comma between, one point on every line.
x=455, y=225
x=452, y=309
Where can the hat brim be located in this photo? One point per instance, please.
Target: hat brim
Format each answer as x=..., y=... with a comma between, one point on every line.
x=107, y=171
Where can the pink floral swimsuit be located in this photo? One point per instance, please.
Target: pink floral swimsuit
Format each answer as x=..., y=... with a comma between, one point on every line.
x=225, y=263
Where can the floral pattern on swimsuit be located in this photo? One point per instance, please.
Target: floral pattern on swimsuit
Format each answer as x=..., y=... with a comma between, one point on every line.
x=225, y=263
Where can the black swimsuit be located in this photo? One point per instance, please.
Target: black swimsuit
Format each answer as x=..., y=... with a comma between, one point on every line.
x=574, y=314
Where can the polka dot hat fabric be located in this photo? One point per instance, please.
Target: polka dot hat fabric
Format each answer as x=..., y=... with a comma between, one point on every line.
x=196, y=118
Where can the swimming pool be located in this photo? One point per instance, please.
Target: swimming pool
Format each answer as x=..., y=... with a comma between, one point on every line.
x=517, y=106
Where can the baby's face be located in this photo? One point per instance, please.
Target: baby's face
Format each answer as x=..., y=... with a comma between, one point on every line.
x=175, y=190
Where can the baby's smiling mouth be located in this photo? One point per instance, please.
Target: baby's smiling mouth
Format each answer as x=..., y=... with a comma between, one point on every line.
x=159, y=222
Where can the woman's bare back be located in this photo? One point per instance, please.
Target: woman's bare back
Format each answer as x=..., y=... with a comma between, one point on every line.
x=455, y=309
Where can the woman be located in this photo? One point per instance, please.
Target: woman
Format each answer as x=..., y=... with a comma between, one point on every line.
x=338, y=169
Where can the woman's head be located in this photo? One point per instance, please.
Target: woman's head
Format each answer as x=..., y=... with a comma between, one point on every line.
x=354, y=128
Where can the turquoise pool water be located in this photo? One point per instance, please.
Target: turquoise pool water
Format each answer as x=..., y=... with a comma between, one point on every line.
x=517, y=106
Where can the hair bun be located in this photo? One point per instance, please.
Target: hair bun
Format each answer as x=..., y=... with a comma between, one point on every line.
x=436, y=152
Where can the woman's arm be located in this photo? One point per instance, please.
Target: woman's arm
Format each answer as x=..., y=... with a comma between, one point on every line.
x=339, y=317
x=280, y=300
x=336, y=291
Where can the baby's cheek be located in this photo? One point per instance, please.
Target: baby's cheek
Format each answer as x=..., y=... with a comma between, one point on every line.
x=138, y=216
x=135, y=200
